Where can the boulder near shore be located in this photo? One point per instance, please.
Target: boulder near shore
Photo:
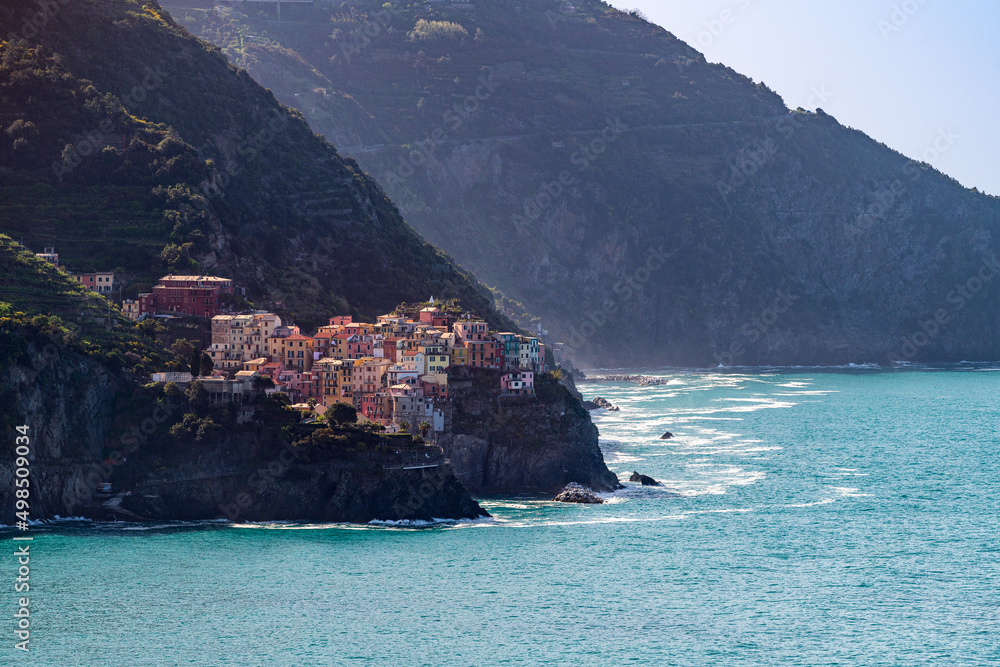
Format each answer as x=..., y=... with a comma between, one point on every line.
x=599, y=403
x=574, y=493
x=645, y=480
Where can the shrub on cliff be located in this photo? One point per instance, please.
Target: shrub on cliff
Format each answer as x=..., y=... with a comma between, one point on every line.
x=436, y=31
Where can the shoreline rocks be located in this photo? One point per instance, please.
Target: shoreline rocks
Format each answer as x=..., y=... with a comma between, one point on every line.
x=645, y=480
x=599, y=403
x=575, y=493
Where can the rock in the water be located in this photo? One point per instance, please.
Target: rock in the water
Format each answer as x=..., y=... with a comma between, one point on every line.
x=574, y=493
x=643, y=479
x=666, y=436
x=598, y=403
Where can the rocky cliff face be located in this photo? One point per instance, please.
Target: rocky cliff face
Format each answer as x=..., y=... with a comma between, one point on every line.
x=512, y=444
x=66, y=400
x=244, y=478
x=88, y=425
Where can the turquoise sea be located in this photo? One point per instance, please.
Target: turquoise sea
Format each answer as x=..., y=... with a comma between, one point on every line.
x=809, y=517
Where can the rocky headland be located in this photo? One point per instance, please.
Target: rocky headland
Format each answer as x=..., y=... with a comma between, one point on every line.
x=168, y=457
x=521, y=444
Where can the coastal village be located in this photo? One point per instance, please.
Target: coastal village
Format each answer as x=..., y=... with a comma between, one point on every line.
x=394, y=371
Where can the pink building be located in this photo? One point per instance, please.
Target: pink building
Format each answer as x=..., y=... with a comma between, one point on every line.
x=377, y=408
x=518, y=383
x=471, y=330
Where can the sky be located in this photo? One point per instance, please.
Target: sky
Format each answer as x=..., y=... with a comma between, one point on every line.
x=921, y=76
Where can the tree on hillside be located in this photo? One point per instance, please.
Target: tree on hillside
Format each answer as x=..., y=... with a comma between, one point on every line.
x=341, y=414
x=424, y=428
x=184, y=348
x=207, y=365
x=197, y=395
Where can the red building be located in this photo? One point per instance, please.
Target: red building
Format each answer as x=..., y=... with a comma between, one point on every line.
x=377, y=408
x=389, y=348
x=186, y=295
x=482, y=353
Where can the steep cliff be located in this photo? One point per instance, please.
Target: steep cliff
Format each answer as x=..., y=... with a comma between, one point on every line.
x=521, y=444
x=652, y=207
x=88, y=425
x=66, y=400
x=243, y=476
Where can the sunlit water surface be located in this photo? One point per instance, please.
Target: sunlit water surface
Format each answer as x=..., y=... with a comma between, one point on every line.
x=807, y=517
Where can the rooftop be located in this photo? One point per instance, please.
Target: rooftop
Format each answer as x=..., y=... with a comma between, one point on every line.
x=194, y=278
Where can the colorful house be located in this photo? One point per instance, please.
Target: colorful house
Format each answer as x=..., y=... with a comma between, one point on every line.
x=519, y=383
x=296, y=352
x=377, y=407
x=481, y=353
x=101, y=282
x=507, y=349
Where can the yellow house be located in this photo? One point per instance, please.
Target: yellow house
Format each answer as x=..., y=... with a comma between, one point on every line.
x=334, y=380
x=254, y=364
x=459, y=356
x=296, y=352
x=130, y=309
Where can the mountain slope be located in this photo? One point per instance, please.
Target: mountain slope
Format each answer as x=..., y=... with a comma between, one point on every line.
x=129, y=144
x=652, y=207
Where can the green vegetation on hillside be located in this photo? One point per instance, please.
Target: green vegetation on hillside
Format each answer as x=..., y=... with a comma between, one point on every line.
x=41, y=304
x=137, y=148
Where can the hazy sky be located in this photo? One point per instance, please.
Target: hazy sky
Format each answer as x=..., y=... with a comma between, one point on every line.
x=906, y=72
